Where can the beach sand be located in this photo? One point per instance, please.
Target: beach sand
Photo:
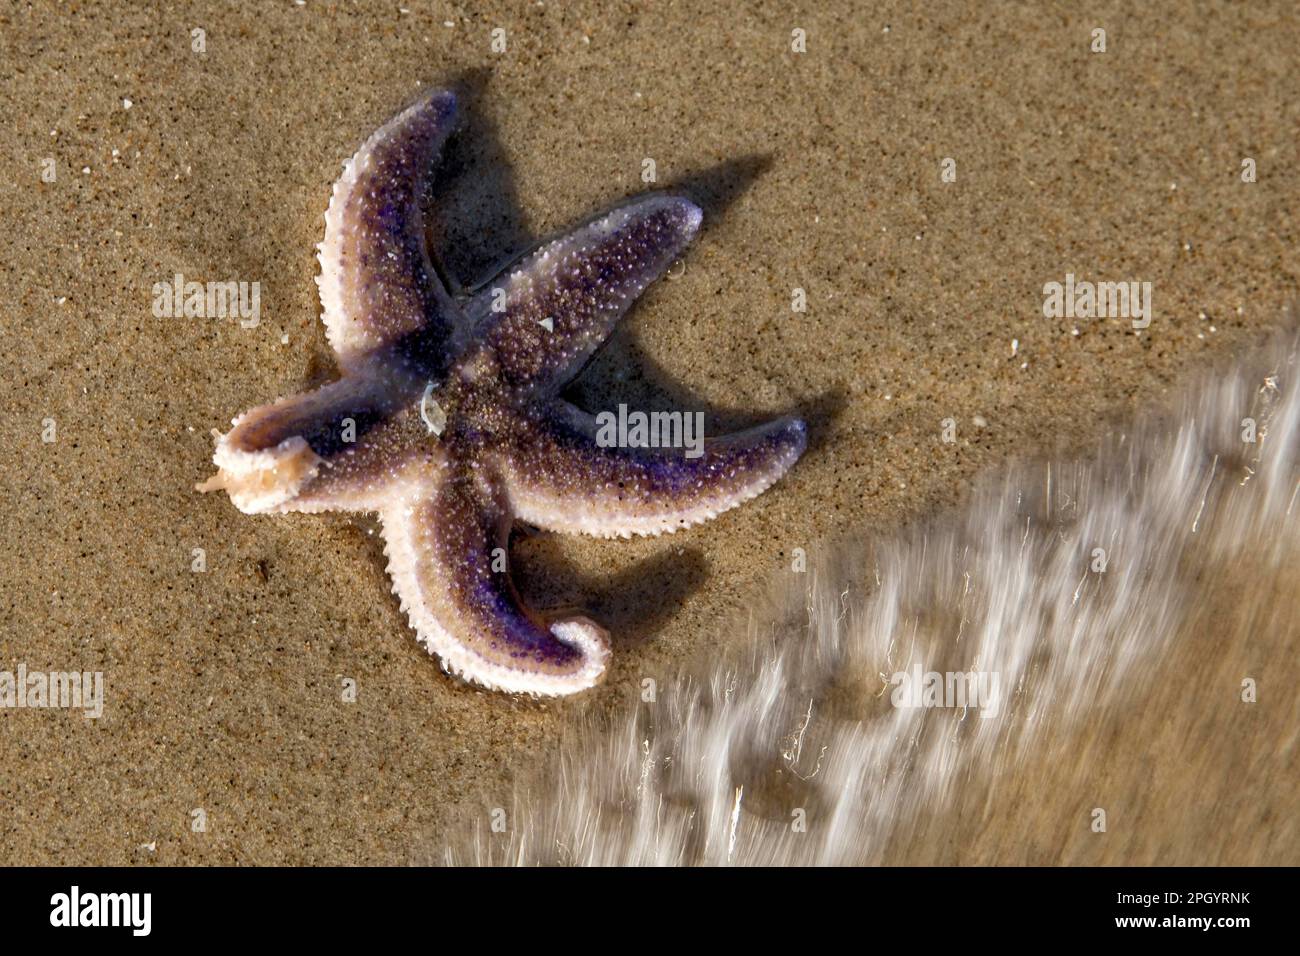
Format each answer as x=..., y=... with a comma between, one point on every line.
x=818, y=170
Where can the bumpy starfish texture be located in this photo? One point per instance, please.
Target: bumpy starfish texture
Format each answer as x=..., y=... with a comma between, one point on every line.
x=447, y=419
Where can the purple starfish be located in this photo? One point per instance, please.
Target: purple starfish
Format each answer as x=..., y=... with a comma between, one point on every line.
x=447, y=419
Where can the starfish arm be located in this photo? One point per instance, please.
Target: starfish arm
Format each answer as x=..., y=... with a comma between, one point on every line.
x=378, y=288
x=580, y=285
x=558, y=476
x=332, y=449
x=446, y=540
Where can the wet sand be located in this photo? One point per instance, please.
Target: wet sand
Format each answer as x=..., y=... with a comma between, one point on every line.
x=819, y=170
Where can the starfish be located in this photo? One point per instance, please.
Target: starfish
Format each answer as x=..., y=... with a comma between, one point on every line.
x=447, y=418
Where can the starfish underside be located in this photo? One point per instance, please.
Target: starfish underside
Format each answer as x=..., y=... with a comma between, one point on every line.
x=447, y=420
